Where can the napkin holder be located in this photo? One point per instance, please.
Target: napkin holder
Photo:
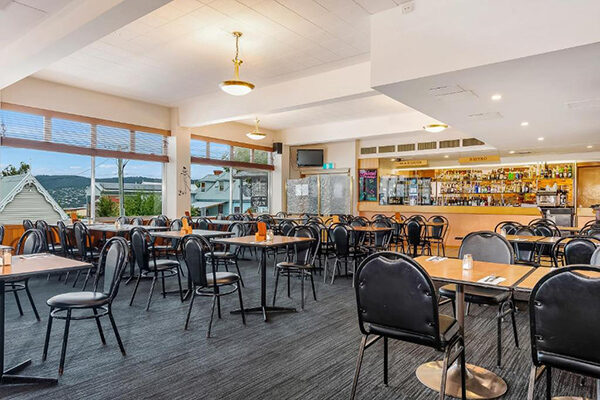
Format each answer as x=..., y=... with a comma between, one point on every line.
x=261, y=233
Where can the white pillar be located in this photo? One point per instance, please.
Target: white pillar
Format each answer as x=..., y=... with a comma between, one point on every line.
x=177, y=171
x=279, y=177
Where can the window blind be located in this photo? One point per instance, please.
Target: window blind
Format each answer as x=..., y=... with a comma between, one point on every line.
x=45, y=132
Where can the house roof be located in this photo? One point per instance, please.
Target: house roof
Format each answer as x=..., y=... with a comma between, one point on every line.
x=12, y=185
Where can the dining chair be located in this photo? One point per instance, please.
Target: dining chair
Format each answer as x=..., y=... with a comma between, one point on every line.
x=437, y=234
x=31, y=242
x=396, y=299
x=489, y=247
x=510, y=227
x=301, y=262
x=562, y=330
x=573, y=250
x=196, y=251
x=230, y=253
x=123, y=220
x=113, y=258
x=347, y=248
x=85, y=250
x=149, y=266
x=526, y=252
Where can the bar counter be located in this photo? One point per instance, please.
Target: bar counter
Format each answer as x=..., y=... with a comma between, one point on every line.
x=462, y=219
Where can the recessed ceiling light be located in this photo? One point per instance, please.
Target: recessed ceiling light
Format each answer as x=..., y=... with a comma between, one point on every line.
x=524, y=123
x=446, y=156
x=540, y=139
x=496, y=97
x=589, y=146
x=435, y=128
x=511, y=152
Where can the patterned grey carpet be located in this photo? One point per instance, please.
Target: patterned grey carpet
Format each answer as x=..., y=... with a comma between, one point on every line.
x=307, y=355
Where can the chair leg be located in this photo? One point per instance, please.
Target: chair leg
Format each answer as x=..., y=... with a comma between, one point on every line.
x=154, y=278
x=63, y=351
x=548, y=383
x=237, y=267
x=30, y=297
x=179, y=283
x=97, y=318
x=499, y=342
x=301, y=289
x=17, y=299
x=162, y=278
x=445, y=373
x=48, y=330
x=212, y=313
x=531, y=387
x=187, y=318
x=241, y=305
x=288, y=283
x=114, y=326
x=87, y=278
x=76, y=278
x=312, y=283
x=514, y=325
x=463, y=371
x=385, y=361
x=218, y=303
x=135, y=288
x=361, y=352
x=276, y=284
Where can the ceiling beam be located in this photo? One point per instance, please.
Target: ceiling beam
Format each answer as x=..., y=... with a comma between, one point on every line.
x=80, y=23
x=341, y=84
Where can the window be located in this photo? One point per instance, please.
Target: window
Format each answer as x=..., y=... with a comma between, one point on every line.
x=219, y=151
x=110, y=138
x=262, y=157
x=210, y=190
x=23, y=126
x=71, y=132
x=242, y=154
x=250, y=191
x=198, y=148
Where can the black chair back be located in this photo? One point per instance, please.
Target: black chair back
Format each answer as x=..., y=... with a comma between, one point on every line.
x=382, y=238
x=267, y=219
x=439, y=231
x=31, y=242
x=510, y=227
x=155, y=221
x=414, y=230
x=1, y=233
x=113, y=258
x=83, y=240
x=123, y=220
x=305, y=252
x=137, y=221
x=595, y=260
x=563, y=330
x=63, y=238
x=43, y=226
x=281, y=214
x=203, y=223
x=140, y=248
x=574, y=250
x=194, y=249
x=487, y=246
x=525, y=251
x=340, y=235
x=28, y=224
x=395, y=295
x=285, y=226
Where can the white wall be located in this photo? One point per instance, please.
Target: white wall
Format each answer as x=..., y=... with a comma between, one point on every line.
x=54, y=96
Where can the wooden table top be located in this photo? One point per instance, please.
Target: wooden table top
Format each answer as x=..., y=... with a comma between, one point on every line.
x=527, y=284
x=371, y=228
x=568, y=228
x=524, y=238
x=450, y=270
x=250, y=241
x=199, y=232
x=229, y=222
x=36, y=264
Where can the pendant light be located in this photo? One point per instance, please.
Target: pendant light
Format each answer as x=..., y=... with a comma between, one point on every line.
x=435, y=128
x=256, y=134
x=235, y=86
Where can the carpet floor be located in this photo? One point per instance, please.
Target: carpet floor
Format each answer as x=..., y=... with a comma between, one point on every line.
x=310, y=354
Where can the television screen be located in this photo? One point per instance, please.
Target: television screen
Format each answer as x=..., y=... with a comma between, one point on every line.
x=310, y=158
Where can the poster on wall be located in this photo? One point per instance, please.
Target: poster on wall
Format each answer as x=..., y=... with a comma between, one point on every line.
x=367, y=185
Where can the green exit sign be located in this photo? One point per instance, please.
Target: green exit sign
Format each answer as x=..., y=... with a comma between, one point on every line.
x=328, y=165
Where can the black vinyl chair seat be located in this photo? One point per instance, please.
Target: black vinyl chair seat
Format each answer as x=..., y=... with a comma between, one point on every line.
x=222, y=254
x=78, y=300
x=292, y=265
x=477, y=295
x=223, y=278
x=162, y=265
x=448, y=328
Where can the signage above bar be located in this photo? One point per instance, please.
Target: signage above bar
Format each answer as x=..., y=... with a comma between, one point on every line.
x=410, y=163
x=478, y=159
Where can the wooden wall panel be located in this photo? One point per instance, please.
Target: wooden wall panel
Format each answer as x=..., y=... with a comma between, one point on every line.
x=588, y=186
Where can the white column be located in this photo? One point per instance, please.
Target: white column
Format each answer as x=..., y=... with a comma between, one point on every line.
x=279, y=177
x=92, y=215
x=177, y=171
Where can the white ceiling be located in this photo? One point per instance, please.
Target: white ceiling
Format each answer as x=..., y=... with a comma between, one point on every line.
x=18, y=17
x=184, y=48
x=536, y=89
x=363, y=107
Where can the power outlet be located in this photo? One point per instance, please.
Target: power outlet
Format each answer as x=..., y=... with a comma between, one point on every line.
x=408, y=7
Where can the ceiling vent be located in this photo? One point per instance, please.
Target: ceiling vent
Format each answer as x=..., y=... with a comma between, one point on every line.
x=484, y=116
x=406, y=147
x=368, y=150
x=472, y=142
x=452, y=93
x=387, y=149
x=584, y=104
x=448, y=144
x=427, y=146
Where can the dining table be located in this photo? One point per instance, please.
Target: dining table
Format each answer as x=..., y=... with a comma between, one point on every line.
x=206, y=233
x=263, y=246
x=22, y=267
x=480, y=382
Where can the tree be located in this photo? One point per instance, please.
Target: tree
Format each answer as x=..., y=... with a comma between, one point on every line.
x=142, y=204
x=10, y=169
x=106, y=207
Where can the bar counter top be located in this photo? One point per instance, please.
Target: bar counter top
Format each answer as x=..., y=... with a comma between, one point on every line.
x=487, y=210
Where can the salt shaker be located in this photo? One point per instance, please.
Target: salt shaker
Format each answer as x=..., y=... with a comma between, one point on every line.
x=467, y=263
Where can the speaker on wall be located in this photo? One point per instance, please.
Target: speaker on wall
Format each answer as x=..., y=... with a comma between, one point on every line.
x=278, y=147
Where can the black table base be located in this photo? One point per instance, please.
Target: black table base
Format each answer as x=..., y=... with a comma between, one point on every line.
x=9, y=377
